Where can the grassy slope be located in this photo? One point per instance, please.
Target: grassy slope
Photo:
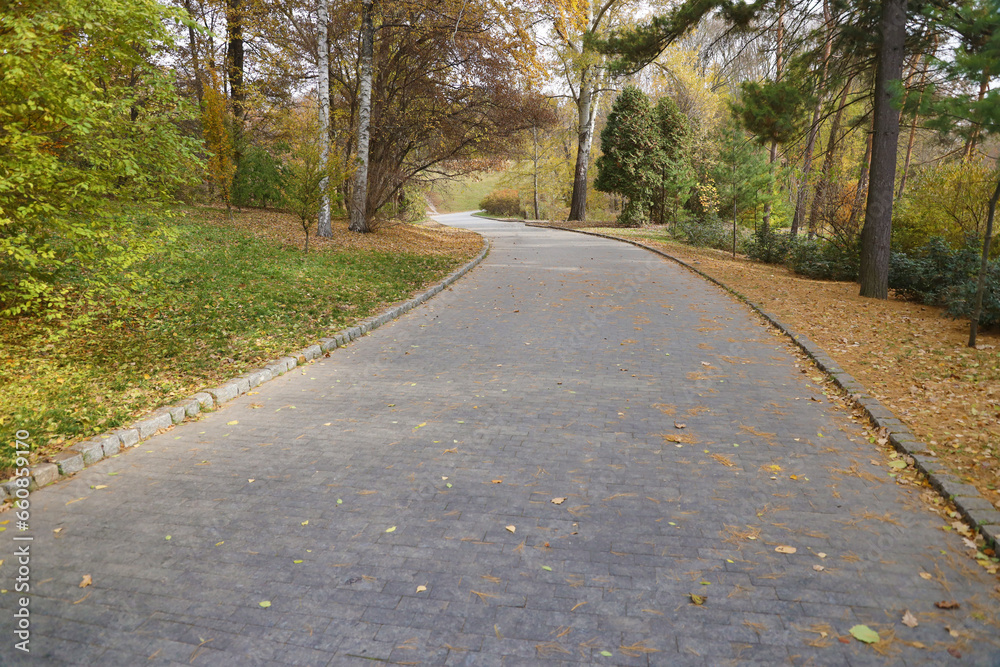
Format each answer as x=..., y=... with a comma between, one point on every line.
x=465, y=193
x=228, y=300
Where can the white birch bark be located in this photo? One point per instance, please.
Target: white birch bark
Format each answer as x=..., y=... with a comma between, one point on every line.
x=359, y=195
x=323, y=227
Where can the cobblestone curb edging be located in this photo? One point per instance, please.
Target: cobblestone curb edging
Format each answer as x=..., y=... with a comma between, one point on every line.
x=76, y=457
x=976, y=509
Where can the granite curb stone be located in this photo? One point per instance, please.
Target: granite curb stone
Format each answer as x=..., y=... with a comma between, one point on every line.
x=966, y=498
x=80, y=455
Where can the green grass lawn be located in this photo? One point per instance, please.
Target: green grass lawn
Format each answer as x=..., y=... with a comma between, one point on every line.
x=465, y=193
x=227, y=301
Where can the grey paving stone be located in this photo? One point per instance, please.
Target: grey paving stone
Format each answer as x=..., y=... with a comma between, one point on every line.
x=92, y=451
x=177, y=413
x=191, y=407
x=556, y=369
x=225, y=393
x=153, y=423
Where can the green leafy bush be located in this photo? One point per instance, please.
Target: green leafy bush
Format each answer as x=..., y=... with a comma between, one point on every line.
x=768, y=246
x=258, y=179
x=822, y=259
x=940, y=275
x=709, y=233
x=928, y=272
x=959, y=299
x=506, y=203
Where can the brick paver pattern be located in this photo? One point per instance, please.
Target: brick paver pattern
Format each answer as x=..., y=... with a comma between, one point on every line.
x=399, y=499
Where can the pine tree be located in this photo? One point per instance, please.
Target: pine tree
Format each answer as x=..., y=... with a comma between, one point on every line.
x=677, y=178
x=631, y=155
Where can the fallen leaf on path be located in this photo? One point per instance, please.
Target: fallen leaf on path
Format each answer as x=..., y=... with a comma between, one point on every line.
x=679, y=425
x=306, y=522
x=954, y=652
x=511, y=529
x=497, y=481
x=909, y=620
x=818, y=568
x=421, y=589
x=390, y=529
x=56, y=531
x=547, y=568
x=558, y=501
x=951, y=631
x=698, y=599
x=99, y=487
x=783, y=549
x=167, y=538
x=87, y=581
x=219, y=544
x=864, y=634
x=947, y=604
x=926, y=575
x=265, y=603
x=251, y=480
x=233, y=423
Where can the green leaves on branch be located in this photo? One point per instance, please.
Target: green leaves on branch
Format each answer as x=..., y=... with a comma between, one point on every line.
x=89, y=122
x=643, y=156
x=772, y=110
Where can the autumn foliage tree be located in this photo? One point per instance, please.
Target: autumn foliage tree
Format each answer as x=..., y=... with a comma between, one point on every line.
x=89, y=124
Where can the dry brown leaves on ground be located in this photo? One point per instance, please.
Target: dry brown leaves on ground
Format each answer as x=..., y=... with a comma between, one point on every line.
x=912, y=358
x=390, y=237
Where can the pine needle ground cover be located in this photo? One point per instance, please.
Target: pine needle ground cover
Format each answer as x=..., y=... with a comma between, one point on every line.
x=229, y=296
x=912, y=358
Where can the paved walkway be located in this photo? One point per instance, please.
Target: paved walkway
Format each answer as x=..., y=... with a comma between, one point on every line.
x=500, y=478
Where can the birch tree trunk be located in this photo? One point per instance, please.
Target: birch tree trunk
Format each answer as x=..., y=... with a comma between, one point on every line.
x=323, y=227
x=875, y=236
x=587, y=111
x=359, y=195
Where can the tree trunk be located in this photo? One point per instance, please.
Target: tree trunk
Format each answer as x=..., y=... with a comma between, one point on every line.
x=977, y=309
x=859, y=192
x=534, y=139
x=823, y=185
x=359, y=197
x=587, y=111
x=323, y=227
x=234, y=71
x=970, y=145
x=800, y=199
x=875, y=236
x=778, y=66
x=199, y=87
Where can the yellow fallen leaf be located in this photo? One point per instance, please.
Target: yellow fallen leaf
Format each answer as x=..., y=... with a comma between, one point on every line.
x=926, y=575
x=219, y=544
x=306, y=522
x=167, y=538
x=420, y=425
x=512, y=529
x=265, y=603
x=818, y=568
x=498, y=481
x=87, y=581
x=101, y=486
x=233, y=423
x=698, y=599
x=250, y=480
x=558, y=501
x=390, y=529
x=785, y=549
x=57, y=531
x=421, y=589
x=296, y=562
